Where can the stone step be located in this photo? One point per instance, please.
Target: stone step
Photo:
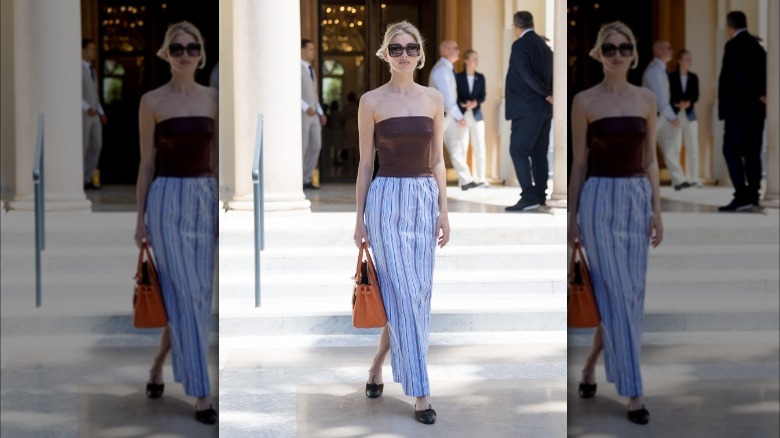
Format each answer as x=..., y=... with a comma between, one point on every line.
x=329, y=285
x=669, y=257
x=237, y=259
x=337, y=229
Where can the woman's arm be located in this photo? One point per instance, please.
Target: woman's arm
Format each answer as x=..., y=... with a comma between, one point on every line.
x=651, y=169
x=366, y=164
x=439, y=170
x=579, y=165
x=215, y=142
x=146, y=167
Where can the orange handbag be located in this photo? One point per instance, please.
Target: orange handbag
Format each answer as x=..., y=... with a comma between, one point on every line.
x=148, y=305
x=368, y=310
x=583, y=311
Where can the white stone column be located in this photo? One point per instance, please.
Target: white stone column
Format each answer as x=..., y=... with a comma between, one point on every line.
x=267, y=79
x=47, y=79
x=772, y=196
x=560, y=119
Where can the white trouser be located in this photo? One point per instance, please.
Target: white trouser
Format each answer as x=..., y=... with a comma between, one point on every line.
x=92, y=144
x=312, y=143
x=454, y=136
x=670, y=149
x=476, y=133
x=689, y=130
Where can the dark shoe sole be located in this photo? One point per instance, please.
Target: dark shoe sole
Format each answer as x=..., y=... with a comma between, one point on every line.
x=374, y=390
x=426, y=416
x=639, y=416
x=587, y=390
x=154, y=390
x=206, y=416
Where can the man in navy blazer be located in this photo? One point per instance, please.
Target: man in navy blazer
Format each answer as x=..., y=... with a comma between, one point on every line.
x=471, y=93
x=529, y=107
x=742, y=107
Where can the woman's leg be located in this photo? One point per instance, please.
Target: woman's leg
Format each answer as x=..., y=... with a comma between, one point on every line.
x=156, y=371
x=375, y=372
x=597, y=346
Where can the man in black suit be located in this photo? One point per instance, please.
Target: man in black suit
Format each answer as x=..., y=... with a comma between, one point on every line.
x=684, y=93
x=742, y=107
x=471, y=94
x=529, y=107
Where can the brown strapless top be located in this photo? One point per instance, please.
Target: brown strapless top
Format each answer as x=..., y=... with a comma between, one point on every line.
x=184, y=146
x=404, y=146
x=617, y=146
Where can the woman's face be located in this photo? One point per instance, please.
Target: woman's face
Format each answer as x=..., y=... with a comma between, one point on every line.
x=404, y=62
x=614, y=55
x=184, y=53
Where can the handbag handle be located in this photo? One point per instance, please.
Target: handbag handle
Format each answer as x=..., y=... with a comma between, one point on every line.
x=150, y=264
x=577, y=254
x=371, y=268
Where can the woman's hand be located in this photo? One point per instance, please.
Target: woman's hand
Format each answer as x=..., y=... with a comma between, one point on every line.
x=656, y=233
x=361, y=233
x=141, y=234
x=574, y=231
x=442, y=230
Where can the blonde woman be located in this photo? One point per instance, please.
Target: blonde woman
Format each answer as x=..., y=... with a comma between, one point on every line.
x=177, y=211
x=402, y=213
x=616, y=211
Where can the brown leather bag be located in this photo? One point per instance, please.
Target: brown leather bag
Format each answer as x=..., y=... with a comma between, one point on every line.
x=148, y=305
x=583, y=311
x=368, y=310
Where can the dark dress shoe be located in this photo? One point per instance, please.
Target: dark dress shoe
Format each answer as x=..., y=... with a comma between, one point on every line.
x=90, y=186
x=737, y=205
x=426, y=416
x=470, y=185
x=639, y=416
x=206, y=416
x=587, y=390
x=155, y=390
x=374, y=390
x=523, y=205
x=310, y=186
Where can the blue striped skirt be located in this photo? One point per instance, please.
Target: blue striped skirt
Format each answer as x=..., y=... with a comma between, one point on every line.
x=400, y=216
x=181, y=216
x=614, y=217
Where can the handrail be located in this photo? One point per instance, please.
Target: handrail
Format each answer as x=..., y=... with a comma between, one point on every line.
x=257, y=182
x=39, y=184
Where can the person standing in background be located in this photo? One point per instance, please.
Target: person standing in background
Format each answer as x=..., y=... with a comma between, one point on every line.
x=656, y=78
x=684, y=91
x=442, y=78
x=742, y=107
x=313, y=116
x=471, y=93
x=529, y=107
x=93, y=117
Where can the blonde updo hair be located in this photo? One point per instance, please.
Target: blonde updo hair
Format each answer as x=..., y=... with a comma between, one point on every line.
x=398, y=28
x=609, y=29
x=177, y=29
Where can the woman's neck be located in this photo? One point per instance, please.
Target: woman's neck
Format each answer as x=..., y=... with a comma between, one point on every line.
x=182, y=82
x=402, y=82
x=615, y=82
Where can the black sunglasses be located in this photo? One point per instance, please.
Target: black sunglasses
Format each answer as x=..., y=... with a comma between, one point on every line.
x=610, y=50
x=396, y=50
x=176, y=50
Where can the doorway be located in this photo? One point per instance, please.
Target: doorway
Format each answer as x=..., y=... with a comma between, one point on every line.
x=128, y=34
x=350, y=32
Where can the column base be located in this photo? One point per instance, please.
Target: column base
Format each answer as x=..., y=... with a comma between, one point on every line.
x=557, y=200
x=771, y=200
x=53, y=202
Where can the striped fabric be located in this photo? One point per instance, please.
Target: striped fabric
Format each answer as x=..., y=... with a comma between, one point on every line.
x=181, y=216
x=614, y=216
x=401, y=216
